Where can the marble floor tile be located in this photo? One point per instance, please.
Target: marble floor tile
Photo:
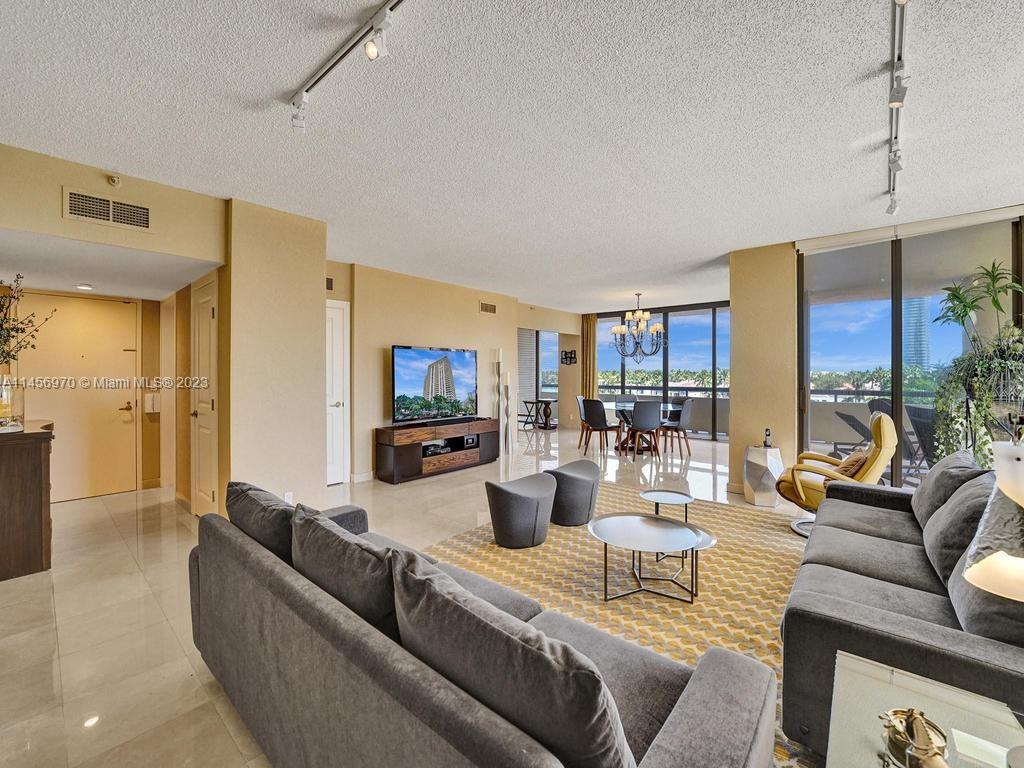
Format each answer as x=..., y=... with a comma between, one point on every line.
x=239, y=732
x=35, y=742
x=28, y=692
x=26, y=588
x=22, y=616
x=81, y=598
x=118, y=659
x=76, y=633
x=28, y=648
x=198, y=738
x=113, y=714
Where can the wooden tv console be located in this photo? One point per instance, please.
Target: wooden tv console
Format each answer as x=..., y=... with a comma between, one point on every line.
x=408, y=452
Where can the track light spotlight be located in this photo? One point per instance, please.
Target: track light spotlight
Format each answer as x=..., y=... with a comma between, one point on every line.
x=902, y=2
x=898, y=94
x=300, y=106
x=896, y=158
x=893, y=205
x=376, y=47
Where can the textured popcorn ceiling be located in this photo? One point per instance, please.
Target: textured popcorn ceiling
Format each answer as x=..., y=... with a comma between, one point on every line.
x=565, y=153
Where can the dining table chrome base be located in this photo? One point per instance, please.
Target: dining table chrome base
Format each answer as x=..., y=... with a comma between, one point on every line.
x=688, y=591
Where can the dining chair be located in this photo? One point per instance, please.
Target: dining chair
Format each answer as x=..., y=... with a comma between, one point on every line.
x=645, y=425
x=673, y=429
x=596, y=419
x=583, y=420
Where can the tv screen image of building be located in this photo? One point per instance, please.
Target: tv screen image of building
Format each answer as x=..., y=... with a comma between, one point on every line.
x=433, y=383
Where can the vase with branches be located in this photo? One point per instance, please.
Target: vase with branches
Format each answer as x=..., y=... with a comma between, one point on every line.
x=987, y=379
x=16, y=335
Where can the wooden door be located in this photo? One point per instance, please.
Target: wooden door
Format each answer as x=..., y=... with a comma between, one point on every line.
x=82, y=377
x=203, y=398
x=337, y=392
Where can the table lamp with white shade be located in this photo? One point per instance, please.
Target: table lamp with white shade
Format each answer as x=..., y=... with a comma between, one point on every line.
x=995, y=560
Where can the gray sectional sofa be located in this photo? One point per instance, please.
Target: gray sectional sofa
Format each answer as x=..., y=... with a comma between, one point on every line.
x=325, y=682
x=882, y=578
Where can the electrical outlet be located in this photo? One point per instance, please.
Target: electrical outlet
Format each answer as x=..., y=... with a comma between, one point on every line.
x=288, y=497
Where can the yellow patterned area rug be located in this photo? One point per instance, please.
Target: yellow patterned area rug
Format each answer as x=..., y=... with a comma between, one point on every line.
x=744, y=583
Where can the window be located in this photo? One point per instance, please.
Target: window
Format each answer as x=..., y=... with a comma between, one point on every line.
x=548, y=344
x=537, y=367
x=690, y=364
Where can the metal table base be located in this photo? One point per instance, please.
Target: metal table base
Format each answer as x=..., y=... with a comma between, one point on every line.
x=637, y=569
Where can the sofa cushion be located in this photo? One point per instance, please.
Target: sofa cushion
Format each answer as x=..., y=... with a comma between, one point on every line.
x=951, y=529
x=348, y=567
x=522, y=607
x=881, y=559
x=872, y=521
x=541, y=685
x=383, y=541
x=262, y=516
x=834, y=582
x=983, y=613
x=644, y=684
x=941, y=481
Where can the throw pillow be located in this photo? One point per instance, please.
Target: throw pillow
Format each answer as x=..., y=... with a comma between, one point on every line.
x=849, y=466
x=949, y=532
x=346, y=566
x=262, y=516
x=942, y=480
x=543, y=686
x=983, y=613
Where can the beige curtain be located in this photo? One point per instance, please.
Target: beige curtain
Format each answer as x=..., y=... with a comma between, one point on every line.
x=588, y=340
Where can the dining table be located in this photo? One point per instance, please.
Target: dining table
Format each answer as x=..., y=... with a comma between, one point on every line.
x=624, y=410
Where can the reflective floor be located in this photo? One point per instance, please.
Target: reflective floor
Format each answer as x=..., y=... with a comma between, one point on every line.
x=97, y=665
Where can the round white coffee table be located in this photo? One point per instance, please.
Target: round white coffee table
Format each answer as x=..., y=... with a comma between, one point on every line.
x=652, y=534
x=670, y=497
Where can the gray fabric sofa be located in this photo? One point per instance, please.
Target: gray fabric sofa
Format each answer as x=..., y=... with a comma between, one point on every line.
x=877, y=584
x=318, y=686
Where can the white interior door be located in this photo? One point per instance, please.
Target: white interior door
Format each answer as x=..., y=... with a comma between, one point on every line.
x=337, y=392
x=83, y=379
x=204, y=398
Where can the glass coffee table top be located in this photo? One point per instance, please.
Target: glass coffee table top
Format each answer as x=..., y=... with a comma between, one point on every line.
x=644, y=533
x=666, y=496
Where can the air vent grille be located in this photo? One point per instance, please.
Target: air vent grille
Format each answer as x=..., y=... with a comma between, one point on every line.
x=129, y=215
x=88, y=207
x=102, y=210
x=489, y=309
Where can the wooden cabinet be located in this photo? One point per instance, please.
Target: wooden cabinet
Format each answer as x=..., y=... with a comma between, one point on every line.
x=25, y=530
x=404, y=453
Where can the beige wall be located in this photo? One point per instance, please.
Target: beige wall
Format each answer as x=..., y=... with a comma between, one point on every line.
x=149, y=472
x=569, y=381
x=544, y=319
x=181, y=222
x=763, y=361
x=342, y=274
x=390, y=308
x=277, y=361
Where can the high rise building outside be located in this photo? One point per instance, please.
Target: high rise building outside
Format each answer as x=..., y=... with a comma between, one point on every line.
x=439, y=380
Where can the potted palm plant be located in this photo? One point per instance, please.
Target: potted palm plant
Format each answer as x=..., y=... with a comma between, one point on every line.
x=985, y=384
x=16, y=335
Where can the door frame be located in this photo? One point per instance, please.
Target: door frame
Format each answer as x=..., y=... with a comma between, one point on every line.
x=346, y=385
x=199, y=284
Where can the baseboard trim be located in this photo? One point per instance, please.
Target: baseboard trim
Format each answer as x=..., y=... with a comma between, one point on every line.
x=734, y=488
x=362, y=477
x=148, y=484
x=183, y=502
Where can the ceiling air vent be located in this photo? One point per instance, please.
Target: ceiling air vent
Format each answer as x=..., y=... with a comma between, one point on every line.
x=102, y=210
x=488, y=309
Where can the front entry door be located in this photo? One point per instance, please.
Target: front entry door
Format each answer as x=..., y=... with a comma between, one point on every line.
x=337, y=392
x=82, y=376
x=204, y=397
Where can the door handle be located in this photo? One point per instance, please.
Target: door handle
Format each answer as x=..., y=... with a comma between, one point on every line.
x=127, y=406
x=336, y=405
x=194, y=414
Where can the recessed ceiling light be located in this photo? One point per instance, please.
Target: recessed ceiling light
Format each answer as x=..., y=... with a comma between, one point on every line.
x=84, y=287
x=91, y=721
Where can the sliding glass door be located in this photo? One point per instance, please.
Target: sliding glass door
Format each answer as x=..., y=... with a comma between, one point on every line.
x=870, y=342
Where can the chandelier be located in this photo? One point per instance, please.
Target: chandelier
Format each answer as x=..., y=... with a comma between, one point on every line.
x=635, y=338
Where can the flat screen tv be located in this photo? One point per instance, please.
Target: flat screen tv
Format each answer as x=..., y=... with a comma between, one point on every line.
x=433, y=383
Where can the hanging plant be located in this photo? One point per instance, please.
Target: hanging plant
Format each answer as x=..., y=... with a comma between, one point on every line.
x=16, y=333
x=966, y=401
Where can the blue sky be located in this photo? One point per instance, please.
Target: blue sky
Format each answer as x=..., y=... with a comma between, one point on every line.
x=855, y=335
x=411, y=367
x=689, y=343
